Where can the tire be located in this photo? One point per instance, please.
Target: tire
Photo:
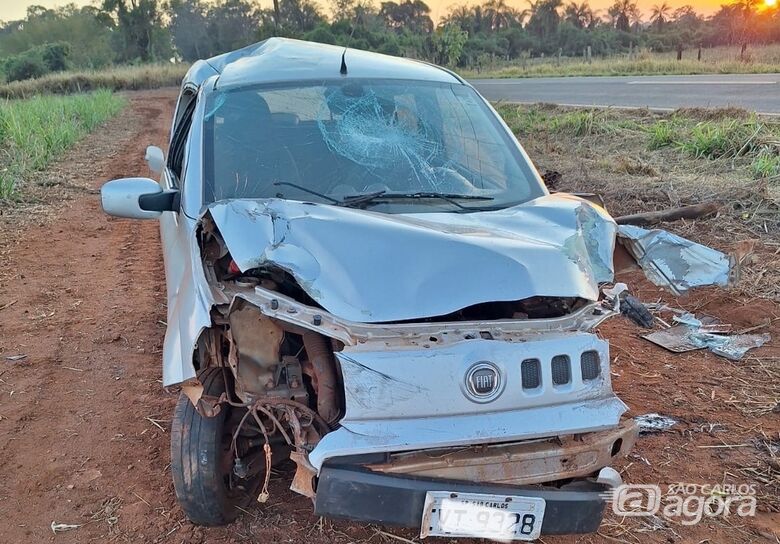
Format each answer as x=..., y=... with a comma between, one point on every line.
x=198, y=449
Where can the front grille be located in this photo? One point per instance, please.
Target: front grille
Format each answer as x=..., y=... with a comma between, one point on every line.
x=531, y=371
x=561, y=373
x=590, y=365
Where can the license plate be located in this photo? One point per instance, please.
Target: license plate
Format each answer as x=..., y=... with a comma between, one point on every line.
x=499, y=517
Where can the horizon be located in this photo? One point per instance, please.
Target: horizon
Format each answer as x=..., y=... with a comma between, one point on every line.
x=11, y=10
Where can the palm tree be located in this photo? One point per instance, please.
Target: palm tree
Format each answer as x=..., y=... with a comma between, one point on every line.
x=500, y=15
x=660, y=15
x=580, y=15
x=624, y=14
x=544, y=17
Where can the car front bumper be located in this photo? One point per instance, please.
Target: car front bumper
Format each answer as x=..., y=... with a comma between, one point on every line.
x=353, y=493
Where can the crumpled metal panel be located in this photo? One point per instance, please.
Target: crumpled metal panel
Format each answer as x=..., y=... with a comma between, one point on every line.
x=468, y=429
x=521, y=463
x=372, y=267
x=674, y=262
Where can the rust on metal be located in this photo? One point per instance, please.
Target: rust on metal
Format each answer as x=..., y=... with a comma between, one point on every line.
x=303, y=481
x=520, y=463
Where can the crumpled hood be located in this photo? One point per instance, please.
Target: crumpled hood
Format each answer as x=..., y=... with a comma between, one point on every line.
x=373, y=267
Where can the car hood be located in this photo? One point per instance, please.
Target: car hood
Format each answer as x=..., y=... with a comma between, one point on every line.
x=374, y=267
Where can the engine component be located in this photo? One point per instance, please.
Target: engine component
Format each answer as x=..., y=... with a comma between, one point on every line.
x=321, y=358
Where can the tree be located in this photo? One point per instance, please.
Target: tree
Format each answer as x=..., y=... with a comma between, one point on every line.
x=544, y=18
x=659, y=15
x=500, y=16
x=231, y=24
x=299, y=15
x=86, y=30
x=410, y=15
x=579, y=15
x=137, y=23
x=189, y=28
x=342, y=10
x=623, y=13
x=448, y=42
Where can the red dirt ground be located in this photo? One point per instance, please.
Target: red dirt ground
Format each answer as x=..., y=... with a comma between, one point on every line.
x=84, y=420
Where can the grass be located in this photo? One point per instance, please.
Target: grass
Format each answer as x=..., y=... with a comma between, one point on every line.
x=695, y=134
x=718, y=60
x=146, y=76
x=35, y=131
x=766, y=165
x=662, y=134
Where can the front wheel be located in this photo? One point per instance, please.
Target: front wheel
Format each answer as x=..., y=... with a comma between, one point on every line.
x=202, y=461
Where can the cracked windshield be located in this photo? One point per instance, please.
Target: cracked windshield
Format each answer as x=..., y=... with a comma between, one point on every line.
x=393, y=146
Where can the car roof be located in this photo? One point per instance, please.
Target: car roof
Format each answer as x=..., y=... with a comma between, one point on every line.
x=283, y=59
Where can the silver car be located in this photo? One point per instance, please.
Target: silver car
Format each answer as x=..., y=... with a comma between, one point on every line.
x=366, y=275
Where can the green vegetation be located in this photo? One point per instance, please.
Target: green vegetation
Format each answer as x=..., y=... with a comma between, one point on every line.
x=582, y=123
x=662, y=134
x=733, y=135
x=489, y=39
x=143, y=76
x=766, y=164
x=37, y=130
x=713, y=140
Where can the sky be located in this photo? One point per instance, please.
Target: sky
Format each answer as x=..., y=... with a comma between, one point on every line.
x=15, y=9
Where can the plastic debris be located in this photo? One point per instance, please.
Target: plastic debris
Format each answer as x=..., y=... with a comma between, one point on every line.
x=654, y=423
x=671, y=261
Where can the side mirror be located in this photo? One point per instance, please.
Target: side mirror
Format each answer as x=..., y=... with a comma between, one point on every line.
x=155, y=158
x=137, y=198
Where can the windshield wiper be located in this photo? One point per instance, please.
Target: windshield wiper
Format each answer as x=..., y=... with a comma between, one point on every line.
x=305, y=190
x=355, y=200
x=351, y=200
x=452, y=198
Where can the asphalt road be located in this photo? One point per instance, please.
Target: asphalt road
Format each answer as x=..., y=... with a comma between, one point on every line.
x=755, y=92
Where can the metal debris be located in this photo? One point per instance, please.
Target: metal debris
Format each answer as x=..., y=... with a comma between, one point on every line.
x=731, y=347
x=671, y=261
x=654, y=423
x=16, y=357
x=706, y=332
x=62, y=527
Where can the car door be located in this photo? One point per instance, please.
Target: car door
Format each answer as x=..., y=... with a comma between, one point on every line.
x=172, y=225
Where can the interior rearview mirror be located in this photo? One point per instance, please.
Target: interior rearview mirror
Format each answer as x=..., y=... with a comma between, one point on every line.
x=137, y=198
x=155, y=158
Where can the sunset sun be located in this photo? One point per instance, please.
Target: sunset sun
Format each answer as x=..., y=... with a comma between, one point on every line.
x=770, y=3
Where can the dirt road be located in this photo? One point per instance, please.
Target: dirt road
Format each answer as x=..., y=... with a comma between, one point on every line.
x=84, y=420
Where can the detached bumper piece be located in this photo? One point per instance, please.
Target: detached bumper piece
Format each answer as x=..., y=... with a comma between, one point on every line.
x=360, y=495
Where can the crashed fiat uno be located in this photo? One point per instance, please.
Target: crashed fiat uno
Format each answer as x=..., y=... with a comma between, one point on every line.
x=366, y=275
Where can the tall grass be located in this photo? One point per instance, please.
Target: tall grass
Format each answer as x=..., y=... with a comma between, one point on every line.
x=717, y=60
x=36, y=130
x=145, y=76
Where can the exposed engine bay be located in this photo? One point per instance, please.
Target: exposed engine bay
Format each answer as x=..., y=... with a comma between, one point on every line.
x=323, y=385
